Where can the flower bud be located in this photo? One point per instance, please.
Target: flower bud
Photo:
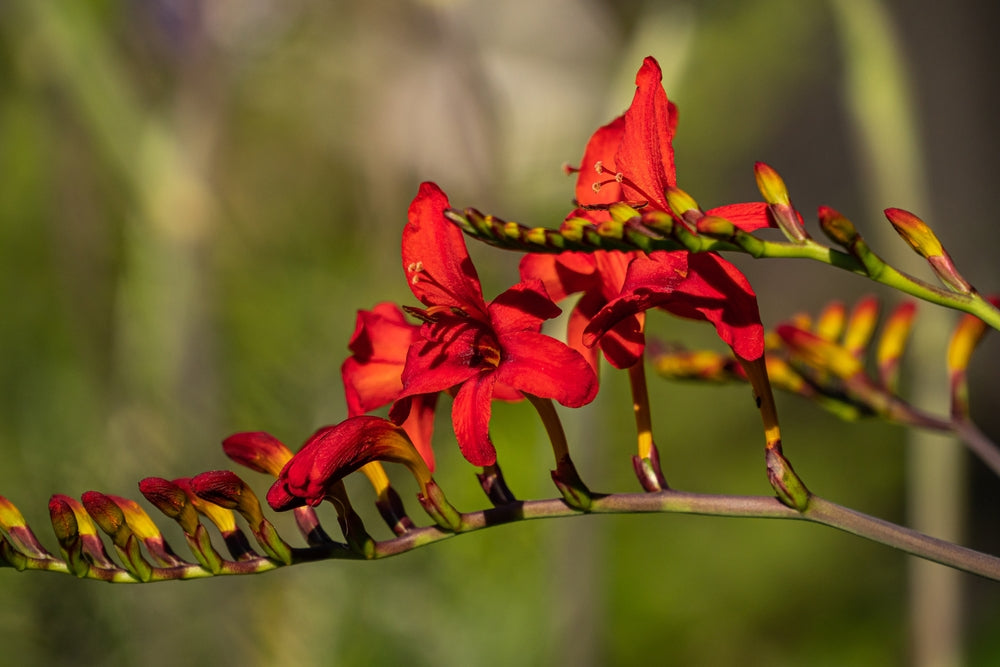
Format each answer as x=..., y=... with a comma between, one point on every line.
x=820, y=353
x=19, y=535
x=831, y=321
x=683, y=205
x=964, y=340
x=258, y=451
x=861, y=325
x=839, y=229
x=111, y=519
x=920, y=237
x=895, y=334
x=226, y=489
x=334, y=452
x=770, y=184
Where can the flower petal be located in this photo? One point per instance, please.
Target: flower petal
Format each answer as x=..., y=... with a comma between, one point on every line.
x=433, y=366
x=646, y=153
x=419, y=425
x=748, y=216
x=522, y=308
x=717, y=291
x=435, y=259
x=381, y=340
x=562, y=274
x=333, y=452
x=601, y=149
x=710, y=289
x=470, y=416
x=543, y=366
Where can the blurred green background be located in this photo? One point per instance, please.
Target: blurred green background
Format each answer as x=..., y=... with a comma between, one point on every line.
x=196, y=198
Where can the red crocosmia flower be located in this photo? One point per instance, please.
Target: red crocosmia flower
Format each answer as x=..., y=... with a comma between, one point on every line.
x=631, y=160
x=483, y=351
x=600, y=276
x=382, y=337
x=697, y=286
x=334, y=452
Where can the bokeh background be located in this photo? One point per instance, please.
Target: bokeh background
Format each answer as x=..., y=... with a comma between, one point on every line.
x=196, y=198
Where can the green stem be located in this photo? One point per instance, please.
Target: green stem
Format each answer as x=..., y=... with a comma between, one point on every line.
x=820, y=511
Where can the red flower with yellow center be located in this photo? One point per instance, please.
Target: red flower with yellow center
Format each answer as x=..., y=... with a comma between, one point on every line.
x=479, y=350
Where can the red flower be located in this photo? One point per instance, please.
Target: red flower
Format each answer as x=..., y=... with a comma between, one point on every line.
x=600, y=276
x=334, y=452
x=486, y=351
x=633, y=159
x=382, y=337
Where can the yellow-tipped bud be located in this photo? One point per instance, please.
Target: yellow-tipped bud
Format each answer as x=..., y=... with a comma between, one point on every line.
x=964, y=339
x=920, y=237
x=712, y=225
x=830, y=323
x=839, y=229
x=819, y=353
x=861, y=325
x=915, y=232
x=681, y=203
x=771, y=185
x=895, y=333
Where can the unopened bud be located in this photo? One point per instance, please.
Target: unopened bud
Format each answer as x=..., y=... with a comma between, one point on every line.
x=839, y=229
x=770, y=184
x=258, y=451
x=895, y=334
x=861, y=325
x=831, y=321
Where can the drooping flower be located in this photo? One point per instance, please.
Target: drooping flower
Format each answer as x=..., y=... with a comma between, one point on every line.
x=372, y=374
x=482, y=351
x=333, y=452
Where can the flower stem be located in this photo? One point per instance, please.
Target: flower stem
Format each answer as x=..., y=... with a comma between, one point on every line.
x=647, y=461
x=567, y=479
x=640, y=408
x=819, y=511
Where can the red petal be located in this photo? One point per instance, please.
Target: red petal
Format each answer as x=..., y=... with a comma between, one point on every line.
x=562, y=274
x=419, y=425
x=712, y=289
x=719, y=292
x=748, y=217
x=602, y=147
x=522, y=308
x=646, y=153
x=332, y=453
x=543, y=366
x=435, y=259
x=470, y=416
x=432, y=366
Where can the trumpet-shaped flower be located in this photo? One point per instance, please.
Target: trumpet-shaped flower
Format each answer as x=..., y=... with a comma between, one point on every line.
x=372, y=374
x=480, y=350
x=632, y=158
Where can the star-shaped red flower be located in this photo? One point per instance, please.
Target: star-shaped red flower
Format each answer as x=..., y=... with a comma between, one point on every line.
x=479, y=350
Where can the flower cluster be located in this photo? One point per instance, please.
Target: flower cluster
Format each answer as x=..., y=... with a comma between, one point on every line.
x=477, y=351
x=632, y=242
